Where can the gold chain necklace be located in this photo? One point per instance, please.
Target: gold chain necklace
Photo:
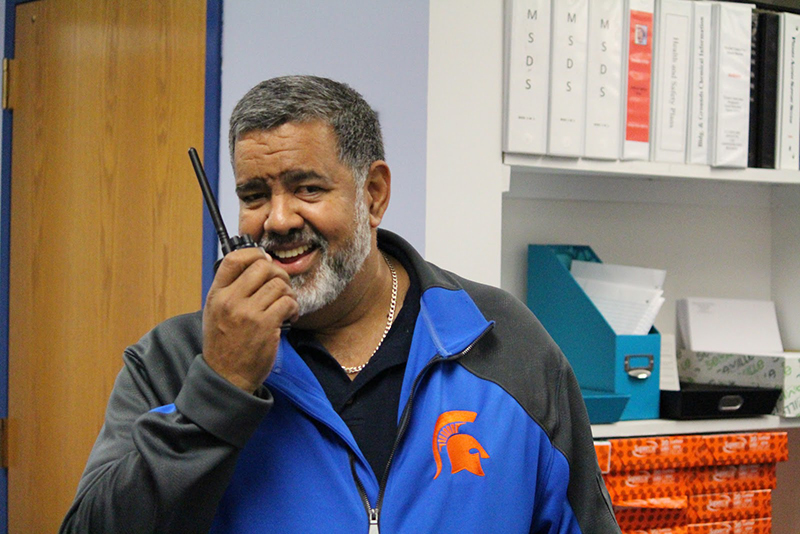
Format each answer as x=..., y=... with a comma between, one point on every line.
x=389, y=320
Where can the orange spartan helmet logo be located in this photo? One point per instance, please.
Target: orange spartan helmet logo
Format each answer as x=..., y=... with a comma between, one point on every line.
x=463, y=450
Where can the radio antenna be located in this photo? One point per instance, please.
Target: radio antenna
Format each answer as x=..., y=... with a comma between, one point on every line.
x=211, y=203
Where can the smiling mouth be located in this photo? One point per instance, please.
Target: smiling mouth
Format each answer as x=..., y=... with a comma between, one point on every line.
x=292, y=254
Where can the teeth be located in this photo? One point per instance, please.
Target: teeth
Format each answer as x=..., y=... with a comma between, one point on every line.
x=291, y=253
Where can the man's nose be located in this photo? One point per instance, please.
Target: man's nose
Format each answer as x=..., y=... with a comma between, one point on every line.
x=283, y=215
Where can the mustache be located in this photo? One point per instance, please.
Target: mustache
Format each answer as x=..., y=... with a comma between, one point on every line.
x=296, y=236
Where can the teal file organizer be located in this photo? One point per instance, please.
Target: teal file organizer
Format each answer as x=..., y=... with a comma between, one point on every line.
x=609, y=367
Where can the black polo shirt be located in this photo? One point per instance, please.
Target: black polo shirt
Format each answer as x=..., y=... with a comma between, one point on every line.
x=368, y=404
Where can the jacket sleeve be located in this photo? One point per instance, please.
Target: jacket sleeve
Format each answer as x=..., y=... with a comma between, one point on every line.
x=161, y=466
x=572, y=436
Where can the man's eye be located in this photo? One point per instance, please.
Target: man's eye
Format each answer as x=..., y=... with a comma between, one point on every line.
x=309, y=189
x=251, y=198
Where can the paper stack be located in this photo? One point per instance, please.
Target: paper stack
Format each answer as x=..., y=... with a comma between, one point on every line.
x=629, y=298
x=734, y=326
x=736, y=342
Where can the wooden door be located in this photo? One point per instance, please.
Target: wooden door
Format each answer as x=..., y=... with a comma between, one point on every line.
x=106, y=219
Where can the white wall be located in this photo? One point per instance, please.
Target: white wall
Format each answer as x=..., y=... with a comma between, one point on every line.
x=785, y=286
x=716, y=244
x=465, y=171
x=379, y=47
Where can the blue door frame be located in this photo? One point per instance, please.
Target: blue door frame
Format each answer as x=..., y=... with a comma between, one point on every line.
x=211, y=135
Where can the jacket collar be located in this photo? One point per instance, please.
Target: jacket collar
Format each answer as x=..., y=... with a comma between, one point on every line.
x=447, y=314
x=448, y=322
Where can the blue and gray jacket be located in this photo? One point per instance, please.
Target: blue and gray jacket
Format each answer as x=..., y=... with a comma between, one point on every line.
x=493, y=435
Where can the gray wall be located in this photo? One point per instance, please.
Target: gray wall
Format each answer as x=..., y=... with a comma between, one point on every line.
x=380, y=48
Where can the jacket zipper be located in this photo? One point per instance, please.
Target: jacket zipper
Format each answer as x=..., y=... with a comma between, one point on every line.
x=373, y=521
x=374, y=513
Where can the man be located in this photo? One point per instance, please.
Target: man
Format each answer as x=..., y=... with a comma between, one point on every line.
x=402, y=398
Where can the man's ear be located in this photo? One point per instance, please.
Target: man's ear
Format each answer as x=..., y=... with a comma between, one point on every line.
x=377, y=191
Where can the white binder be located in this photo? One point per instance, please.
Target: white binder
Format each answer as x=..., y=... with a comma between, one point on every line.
x=603, y=80
x=730, y=83
x=671, y=75
x=787, y=134
x=527, y=75
x=567, y=77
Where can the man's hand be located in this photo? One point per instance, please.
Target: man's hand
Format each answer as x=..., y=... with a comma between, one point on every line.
x=248, y=301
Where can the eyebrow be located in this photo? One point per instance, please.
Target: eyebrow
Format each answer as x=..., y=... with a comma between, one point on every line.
x=251, y=185
x=298, y=175
x=258, y=183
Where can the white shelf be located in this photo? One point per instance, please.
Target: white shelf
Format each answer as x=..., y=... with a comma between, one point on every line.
x=668, y=427
x=646, y=169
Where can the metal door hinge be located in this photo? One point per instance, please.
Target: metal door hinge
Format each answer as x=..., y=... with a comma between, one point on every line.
x=6, y=75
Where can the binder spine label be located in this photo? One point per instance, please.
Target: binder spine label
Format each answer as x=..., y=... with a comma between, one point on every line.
x=697, y=146
x=672, y=98
x=640, y=56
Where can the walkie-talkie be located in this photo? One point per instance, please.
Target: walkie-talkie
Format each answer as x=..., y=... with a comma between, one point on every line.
x=227, y=244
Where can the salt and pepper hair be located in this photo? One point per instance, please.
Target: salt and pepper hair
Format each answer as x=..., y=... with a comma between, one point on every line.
x=285, y=99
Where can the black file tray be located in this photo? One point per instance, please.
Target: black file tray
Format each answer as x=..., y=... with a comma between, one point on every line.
x=705, y=401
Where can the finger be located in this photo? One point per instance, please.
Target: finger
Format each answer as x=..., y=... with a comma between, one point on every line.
x=284, y=309
x=270, y=292
x=235, y=263
x=256, y=275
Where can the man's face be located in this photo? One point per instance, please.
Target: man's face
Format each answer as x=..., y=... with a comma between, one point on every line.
x=299, y=202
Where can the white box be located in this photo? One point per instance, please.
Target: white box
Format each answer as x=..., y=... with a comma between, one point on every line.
x=749, y=370
x=736, y=342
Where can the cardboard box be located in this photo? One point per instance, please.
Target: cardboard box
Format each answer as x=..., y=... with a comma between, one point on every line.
x=603, y=451
x=744, y=526
x=731, y=478
x=716, y=507
x=597, y=354
x=655, y=513
x=658, y=452
x=668, y=530
x=744, y=448
x=647, y=483
x=751, y=370
x=665, y=452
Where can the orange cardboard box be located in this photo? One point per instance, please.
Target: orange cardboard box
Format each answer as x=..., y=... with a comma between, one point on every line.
x=659, y=452
x=603, y=451
x=668, y=530
x=744, y=526
x=647, y=483
x=644, y=514
x=746, y=448
x=717, y=507
x=728, y=478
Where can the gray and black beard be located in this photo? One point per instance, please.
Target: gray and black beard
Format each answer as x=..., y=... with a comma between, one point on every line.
x=323, y=285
